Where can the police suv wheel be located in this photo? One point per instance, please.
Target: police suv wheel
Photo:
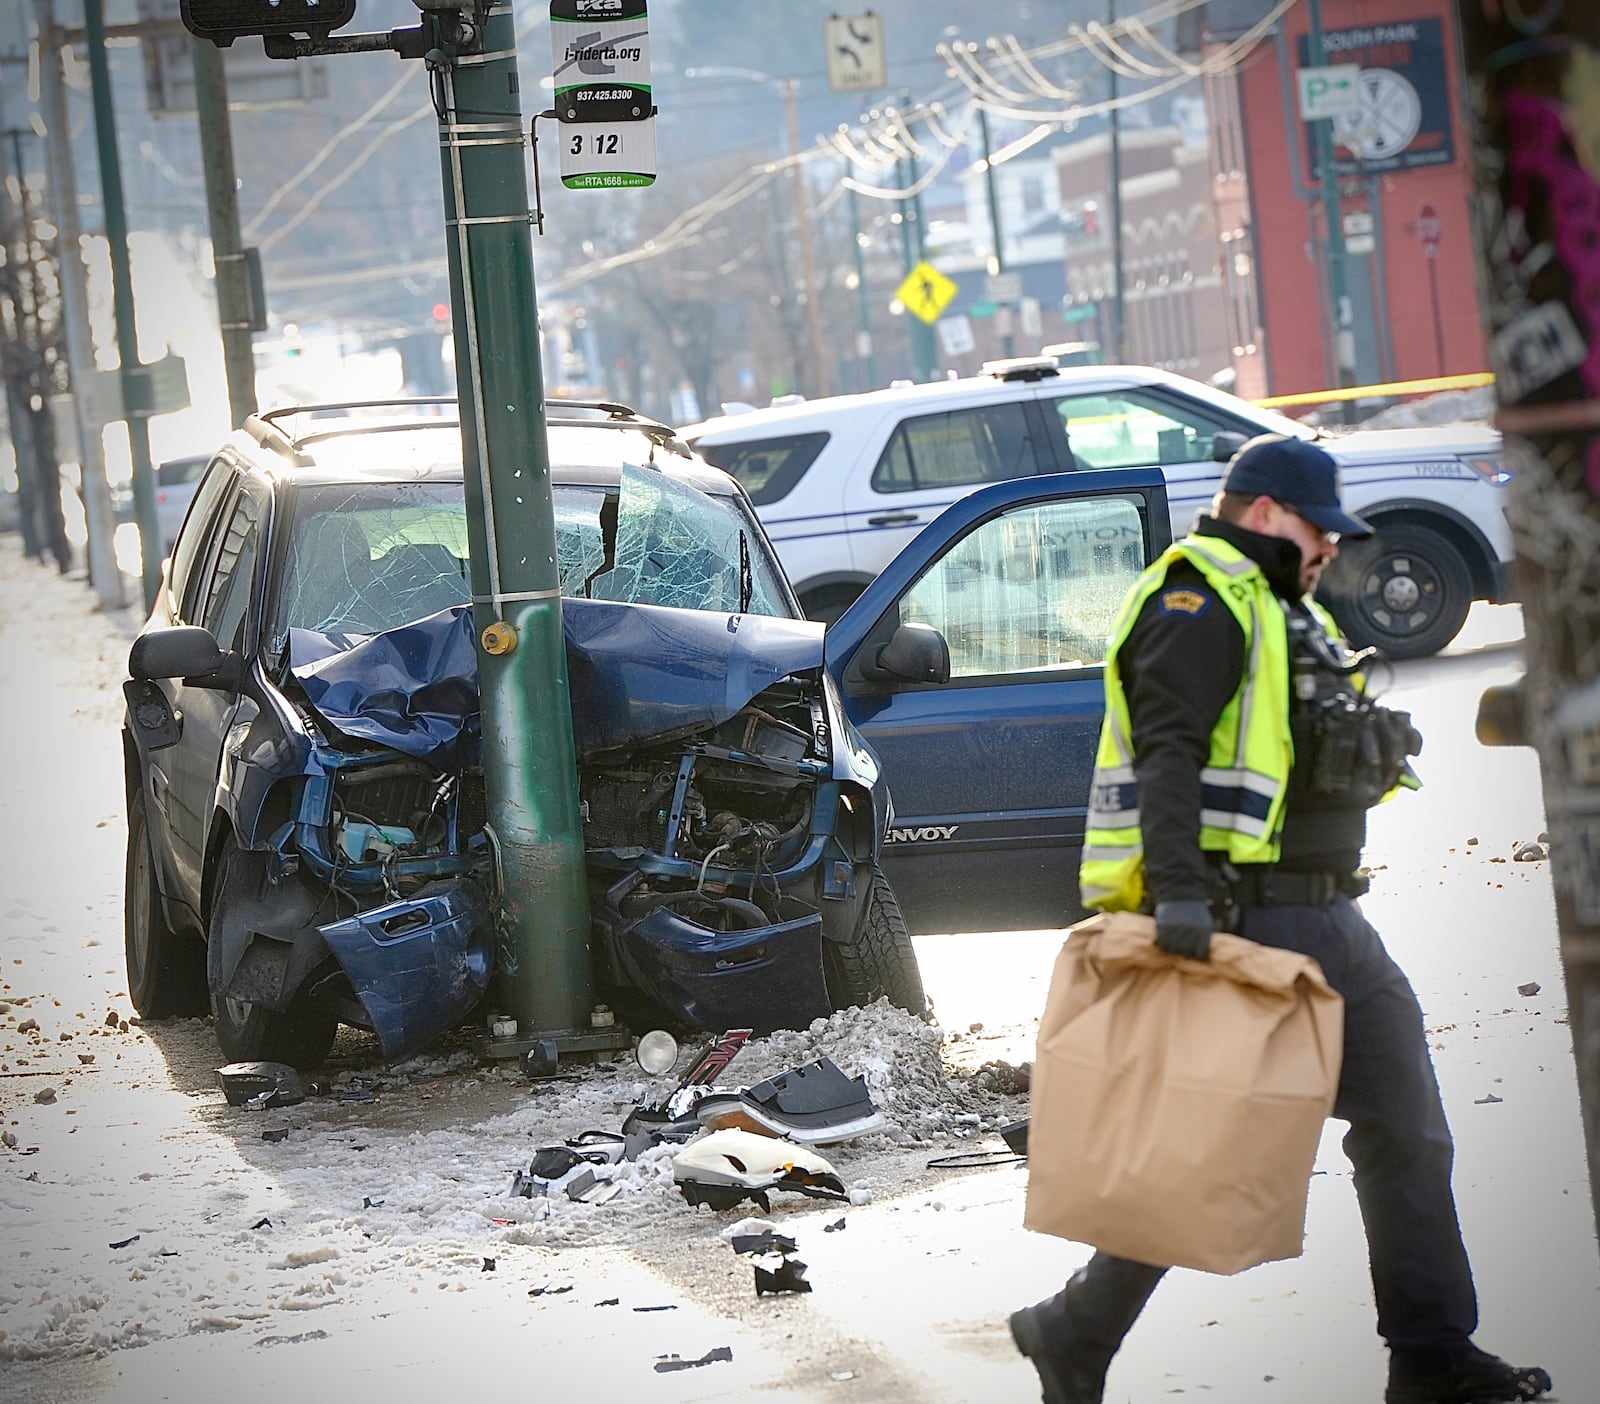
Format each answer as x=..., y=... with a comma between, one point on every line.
x=1406, y=591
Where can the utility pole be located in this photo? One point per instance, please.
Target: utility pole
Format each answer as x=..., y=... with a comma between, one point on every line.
x=808, y=262
x=105, y=575
x=222, y=209
x=1119, y=292
x=1340, y=309
x=997, y=261
x=923, y=358
x=863, y=305
x=133, y=377
x=529, y=757
x=1536, y=198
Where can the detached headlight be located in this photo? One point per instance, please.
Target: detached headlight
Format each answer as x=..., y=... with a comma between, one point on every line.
x=1490, y=469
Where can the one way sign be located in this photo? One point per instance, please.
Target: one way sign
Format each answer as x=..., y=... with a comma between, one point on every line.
x=855, y=52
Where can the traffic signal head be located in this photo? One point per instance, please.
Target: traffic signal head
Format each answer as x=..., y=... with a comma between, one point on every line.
x=223, y=21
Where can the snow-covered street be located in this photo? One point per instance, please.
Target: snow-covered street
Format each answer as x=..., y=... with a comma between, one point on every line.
x=157, y=1246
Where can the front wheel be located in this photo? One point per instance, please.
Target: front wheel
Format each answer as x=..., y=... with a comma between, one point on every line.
x=1406, y=591
x=878, y=958
x=166, y=971
x=247, y=1032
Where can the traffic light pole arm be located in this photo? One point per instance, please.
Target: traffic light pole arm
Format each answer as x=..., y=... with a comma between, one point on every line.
x=408, y=43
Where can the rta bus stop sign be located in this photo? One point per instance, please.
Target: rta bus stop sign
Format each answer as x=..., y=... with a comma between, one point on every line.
x=1428, y=229
x=601, y=61
x=223, y=21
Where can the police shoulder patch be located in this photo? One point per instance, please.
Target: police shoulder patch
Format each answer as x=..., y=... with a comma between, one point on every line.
x=1190, y=602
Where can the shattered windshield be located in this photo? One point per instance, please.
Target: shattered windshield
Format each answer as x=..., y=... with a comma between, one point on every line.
x=365, y=558
x=661, y=542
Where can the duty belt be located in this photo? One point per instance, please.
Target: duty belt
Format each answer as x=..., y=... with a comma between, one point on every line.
x=1266, y=885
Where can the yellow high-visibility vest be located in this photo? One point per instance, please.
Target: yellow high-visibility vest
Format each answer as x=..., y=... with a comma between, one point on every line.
x=1247, y=769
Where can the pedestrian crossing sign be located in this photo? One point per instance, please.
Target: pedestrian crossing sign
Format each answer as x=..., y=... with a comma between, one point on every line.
x=926, y=292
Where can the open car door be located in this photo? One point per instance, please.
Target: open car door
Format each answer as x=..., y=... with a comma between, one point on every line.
x=989, y=759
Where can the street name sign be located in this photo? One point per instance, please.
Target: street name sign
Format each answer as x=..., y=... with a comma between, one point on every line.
x=854, y=45
x=926, y=292
x=603, y=101
x=1002, y=287
x=1332, y=90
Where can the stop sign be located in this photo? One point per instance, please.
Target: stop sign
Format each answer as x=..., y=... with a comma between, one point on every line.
x=1428, y=229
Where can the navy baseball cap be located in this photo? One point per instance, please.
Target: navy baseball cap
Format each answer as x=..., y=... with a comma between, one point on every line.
x=1296, y=473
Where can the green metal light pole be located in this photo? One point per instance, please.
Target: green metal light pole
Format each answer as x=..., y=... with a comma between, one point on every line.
x=529, y=760
x=133, y=377
x=222, y=209
x=1338, y=297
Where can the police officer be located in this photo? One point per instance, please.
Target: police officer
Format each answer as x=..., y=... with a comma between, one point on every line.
x=1238, y=758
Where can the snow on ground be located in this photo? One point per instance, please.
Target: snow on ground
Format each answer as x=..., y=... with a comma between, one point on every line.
x=136, y=1205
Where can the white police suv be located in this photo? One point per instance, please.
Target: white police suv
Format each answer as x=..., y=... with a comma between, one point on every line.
x=843, y=483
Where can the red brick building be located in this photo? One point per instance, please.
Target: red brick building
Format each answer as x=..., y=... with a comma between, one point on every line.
x=1404, y=188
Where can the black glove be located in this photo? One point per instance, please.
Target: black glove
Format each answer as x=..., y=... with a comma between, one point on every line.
x=1184, y=929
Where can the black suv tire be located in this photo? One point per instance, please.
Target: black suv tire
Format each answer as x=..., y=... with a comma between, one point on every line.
x=166, y=970
x=878, y=959
x=1406, y=591
x=300, y=1035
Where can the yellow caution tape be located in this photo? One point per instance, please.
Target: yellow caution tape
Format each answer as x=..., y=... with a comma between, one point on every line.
x=1396, y=387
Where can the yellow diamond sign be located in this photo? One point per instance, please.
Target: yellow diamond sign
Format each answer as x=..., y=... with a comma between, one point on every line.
x=926, y=292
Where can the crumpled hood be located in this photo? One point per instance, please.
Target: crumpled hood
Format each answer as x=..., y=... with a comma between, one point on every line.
x=642, y=672
x=636, y=673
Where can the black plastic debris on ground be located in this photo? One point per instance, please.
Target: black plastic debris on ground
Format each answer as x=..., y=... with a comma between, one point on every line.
x=1016, y=1136
x=259, y=1084
x=720, y=1197
x=677, y=1362
x=261, y=1224
x=788, y=1276
x=837, y=1226
x=123, y=1242
x=610, y=1301
x=276, y=1133
x=488, y=1265
x=667, y=1306
x=767, y=1241
x=368, y=1202
x=549, y=1289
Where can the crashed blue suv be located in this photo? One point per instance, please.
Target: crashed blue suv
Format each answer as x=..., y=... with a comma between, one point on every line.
x=306, y=822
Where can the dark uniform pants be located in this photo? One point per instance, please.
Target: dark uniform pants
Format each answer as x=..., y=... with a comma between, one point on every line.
x=1398, y=1143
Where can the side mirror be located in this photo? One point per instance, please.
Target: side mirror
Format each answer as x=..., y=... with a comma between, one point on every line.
x=1225, y=443
x=185, y=651
x=917, y=653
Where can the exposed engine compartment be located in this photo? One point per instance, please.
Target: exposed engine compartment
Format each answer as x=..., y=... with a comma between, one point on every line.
x=707, y=824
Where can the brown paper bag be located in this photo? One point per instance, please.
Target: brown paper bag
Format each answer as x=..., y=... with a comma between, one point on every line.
x=1177, y=1104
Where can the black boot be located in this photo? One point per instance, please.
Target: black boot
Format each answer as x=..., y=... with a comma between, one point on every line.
x=1474, y=1378
x=1067, y=1376
x=1071, y=1337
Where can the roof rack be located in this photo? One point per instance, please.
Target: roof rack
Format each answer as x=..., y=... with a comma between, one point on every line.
x=267, y=431
x=1021, y=368
x=618, y=416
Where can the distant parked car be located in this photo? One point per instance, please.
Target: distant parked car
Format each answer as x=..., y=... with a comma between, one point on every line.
x=843, y=483
x=176, y=480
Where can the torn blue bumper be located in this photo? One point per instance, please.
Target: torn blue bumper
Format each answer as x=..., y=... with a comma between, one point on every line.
x=765, y=979
x=417, y=965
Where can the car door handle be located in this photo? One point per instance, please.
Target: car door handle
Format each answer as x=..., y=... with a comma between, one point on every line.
x=893, y=519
